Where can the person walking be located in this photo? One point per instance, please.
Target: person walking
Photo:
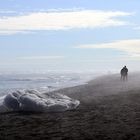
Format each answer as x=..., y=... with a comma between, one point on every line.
x=124, y=73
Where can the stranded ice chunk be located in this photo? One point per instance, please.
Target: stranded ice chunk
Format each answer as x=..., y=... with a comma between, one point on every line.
x=30, y=100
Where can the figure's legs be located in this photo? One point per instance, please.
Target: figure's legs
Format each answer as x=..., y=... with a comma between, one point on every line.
x=126, y=77
x=123, y=78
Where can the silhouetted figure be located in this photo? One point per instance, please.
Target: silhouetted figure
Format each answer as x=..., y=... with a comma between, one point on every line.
x=124, y=73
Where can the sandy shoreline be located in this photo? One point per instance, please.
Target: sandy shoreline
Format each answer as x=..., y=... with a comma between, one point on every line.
x=109, y=109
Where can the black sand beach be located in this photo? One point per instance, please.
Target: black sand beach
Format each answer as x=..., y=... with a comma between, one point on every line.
x=109, y=110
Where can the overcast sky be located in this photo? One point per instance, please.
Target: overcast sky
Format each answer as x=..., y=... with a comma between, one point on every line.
x=69, y=35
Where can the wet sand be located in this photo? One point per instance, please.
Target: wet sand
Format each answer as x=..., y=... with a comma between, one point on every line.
x=109, y=110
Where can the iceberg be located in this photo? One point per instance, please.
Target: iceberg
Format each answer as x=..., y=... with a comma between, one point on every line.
x=34, y=101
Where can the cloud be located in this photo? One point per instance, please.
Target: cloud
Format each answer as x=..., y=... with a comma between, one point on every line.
x=61, y=20
x=130, y=47
x=10, y=32
x=51, y=57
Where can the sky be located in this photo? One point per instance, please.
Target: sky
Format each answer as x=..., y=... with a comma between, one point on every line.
x=69, y=35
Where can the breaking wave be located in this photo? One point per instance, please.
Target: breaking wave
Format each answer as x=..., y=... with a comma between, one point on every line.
x=31, y=100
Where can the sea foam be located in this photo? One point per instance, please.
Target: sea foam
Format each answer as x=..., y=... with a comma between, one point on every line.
x=31, y=100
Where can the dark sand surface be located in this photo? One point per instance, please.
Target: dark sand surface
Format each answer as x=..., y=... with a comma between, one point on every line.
x=109, y=110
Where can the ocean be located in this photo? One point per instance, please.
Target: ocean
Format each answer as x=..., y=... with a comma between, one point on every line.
x=43, y=82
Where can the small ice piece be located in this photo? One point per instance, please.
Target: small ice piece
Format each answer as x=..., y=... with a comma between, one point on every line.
x=11, y=102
